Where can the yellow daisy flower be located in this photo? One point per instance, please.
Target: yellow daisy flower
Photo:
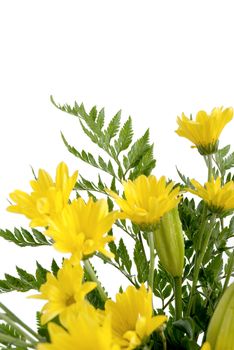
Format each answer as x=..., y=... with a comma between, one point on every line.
x=218, y=198
x=81, y=228
x=206, y=346
x=47, y=198
x=147, y=199
x=205, y=130
x=86, y=333
x=65, y=293
x=131, y=317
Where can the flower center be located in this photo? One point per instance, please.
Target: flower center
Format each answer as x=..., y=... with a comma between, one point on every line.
x=70, y=300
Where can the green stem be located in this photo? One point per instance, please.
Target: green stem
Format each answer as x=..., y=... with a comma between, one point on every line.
x=94, y=278
x=229, y=271
x=17, y=342
x=20, y=322
x=203, y=226
x=108, y=261
x=209, y=164
x=164, y=340
x=9, y=321
x=178, y=297
x=198, y=263
x=152, y=258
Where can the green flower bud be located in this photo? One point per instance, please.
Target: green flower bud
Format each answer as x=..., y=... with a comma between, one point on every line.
x=220, y=334
x=169, y=243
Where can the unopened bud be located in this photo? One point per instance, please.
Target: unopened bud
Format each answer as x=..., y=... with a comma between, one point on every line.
x=169, y=243
x=220, y=334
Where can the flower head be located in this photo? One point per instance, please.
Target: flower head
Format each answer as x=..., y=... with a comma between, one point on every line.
x=205, y=130
x=86, y=333
x=220, y=333
x=218, y=198
x=147, y=199
x=81, y=228
x=64, y=293
x=131, y=317
x=206, y=346
x=48, y=197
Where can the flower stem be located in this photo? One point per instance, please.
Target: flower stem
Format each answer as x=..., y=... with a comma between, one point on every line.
x=198, y=263
x=152, y=257
x=178, y=297
x=17, y=342
x=209, y=164
x=9, y=321
x=164, y=340
x=229, y=271
x=94, y=278
x=14, y=318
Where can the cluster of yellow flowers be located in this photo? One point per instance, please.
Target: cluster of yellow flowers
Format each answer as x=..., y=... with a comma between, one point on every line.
x=81, y=229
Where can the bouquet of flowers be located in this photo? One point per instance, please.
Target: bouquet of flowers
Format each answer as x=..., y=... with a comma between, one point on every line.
x=179, y=261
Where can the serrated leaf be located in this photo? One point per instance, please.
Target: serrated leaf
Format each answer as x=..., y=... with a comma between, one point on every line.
x=54, y=268
x=125, y=137
x=141, y=263
x=26, y=277
x=185, y=179
x=137, y=151
x=229, y=162
x=145, y=166
x=93, y=297
x=24, y=238
x=101, y=118
x=86, y=185
x=113, y=127
x=41, y=273
x=124, y=256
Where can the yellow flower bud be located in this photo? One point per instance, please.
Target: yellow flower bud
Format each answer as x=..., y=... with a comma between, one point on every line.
x=169, y=243
x=220, y=334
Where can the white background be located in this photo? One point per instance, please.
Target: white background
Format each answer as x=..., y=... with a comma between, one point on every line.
x=152, y=59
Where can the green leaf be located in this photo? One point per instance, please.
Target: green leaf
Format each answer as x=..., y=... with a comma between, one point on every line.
x=24, y=238
x=27, y=278
x=54, y=268
x=101, y=118
x=41, y=274
x=124, y=256
x=137, y=151
x=113, y=127
x=86, y=185
x=229, y=162
x=125, y=137
x=185, y=179
x=141, y=263
x=145, y=166
x=88, y=158
x=42, y=329
x=24, y=281
x=185, y=325
x=7, y=329
x=94, y=297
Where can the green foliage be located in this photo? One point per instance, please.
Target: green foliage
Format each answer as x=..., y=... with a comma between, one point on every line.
x=24, y=238
x=26, y=281
x=141, y=262
x=125, y=261
x=122, y=157
x=224, y=160
x=9, y=330
x=113, y=140
x=93, y=297
x=42, y=329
